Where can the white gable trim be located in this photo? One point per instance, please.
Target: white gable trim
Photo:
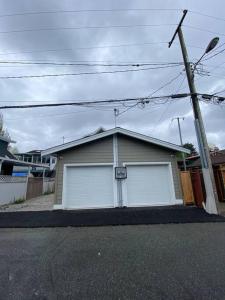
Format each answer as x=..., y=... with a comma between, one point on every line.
x=111, y=132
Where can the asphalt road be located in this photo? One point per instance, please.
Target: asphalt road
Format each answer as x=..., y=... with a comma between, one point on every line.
x=173, y=261
x=109, y=216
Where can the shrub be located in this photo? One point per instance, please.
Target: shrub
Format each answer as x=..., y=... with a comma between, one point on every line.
x=19, y=201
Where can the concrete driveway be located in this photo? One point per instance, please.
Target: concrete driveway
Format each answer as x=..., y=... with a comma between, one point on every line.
x=176, y=261
x=44, y=202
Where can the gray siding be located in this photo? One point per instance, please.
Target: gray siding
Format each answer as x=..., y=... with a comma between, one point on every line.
x=129, y=150
x=132, y=150
x=100, y=151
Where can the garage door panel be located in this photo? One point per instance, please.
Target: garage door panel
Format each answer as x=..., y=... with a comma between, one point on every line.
x=89, y=187
x=148, y=185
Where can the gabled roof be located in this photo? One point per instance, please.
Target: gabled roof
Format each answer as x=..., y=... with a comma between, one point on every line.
x=109, y=132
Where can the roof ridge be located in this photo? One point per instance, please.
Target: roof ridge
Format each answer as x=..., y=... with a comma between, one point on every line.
x=108, y=132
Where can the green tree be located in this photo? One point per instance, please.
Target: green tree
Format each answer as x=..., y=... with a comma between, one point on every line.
x=190, y=147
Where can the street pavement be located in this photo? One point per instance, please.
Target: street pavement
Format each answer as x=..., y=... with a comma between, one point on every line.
x=172, y=261
x=109, y=216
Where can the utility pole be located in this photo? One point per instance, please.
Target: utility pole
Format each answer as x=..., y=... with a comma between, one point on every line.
x=181, y=140
x=212, y=204
x=116, y=113
x=63, y=139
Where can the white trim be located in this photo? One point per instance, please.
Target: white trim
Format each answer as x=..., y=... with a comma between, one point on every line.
x=173, y=199
x=179, y=201
x=115, y=150
x=144, y=163
x=111, y=132
x=57, y=206
x=87, y=207
x=115, y=164
x=87, y=164
x=64, y=196
x=172, y=187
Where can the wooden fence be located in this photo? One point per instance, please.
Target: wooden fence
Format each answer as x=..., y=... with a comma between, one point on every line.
x=187, y=189
x=48, y=185
x=193, y=186
x=34, y=187
x=37, y=186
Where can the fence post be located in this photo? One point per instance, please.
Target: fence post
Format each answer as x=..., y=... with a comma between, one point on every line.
x=43, y=186
x=27, y=183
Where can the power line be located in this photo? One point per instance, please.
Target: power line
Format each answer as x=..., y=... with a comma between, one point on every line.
x=90, y=64
x=141, y=100
x=166, y=84
x=86, y=10
x=217, y=53
x=83, y=73
x=219, y=92
x=51, y=115
x=181, y=83
x=206, y=15
x=92, y=47
x=167, y=107
x=99, y=102
x=202, y=29
x=124, y=111
x=85, y=27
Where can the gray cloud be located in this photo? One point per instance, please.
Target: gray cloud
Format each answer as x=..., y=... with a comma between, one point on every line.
x=45, y=127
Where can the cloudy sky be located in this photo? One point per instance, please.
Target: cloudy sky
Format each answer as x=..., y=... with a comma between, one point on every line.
x=44, y=127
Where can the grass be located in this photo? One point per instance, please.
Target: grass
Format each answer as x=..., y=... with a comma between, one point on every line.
x=19, y=201
x=47, y=193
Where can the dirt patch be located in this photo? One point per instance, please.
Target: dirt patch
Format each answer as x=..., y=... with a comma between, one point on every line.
x=41, y=203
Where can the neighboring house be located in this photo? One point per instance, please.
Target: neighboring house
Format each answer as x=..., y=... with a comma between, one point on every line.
x=116, y=168
x=9, y=162
x=6, y=167
x=34, y=156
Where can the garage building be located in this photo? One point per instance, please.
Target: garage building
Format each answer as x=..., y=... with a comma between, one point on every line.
x=116, y=168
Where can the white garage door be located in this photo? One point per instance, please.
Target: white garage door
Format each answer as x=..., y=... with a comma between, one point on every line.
x=148, y=185
x=88, y=187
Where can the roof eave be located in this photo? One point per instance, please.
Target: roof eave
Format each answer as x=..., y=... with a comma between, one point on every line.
x=139, y=136
x=23, y=163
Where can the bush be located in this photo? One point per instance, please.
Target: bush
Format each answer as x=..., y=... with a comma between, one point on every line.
x=19, y=201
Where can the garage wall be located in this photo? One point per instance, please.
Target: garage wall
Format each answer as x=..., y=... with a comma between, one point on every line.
x=100, y=151
x=132, y=150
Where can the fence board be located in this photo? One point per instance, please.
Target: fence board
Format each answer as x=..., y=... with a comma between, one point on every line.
x=34, y=187
x=187, y=187
x=198, y=187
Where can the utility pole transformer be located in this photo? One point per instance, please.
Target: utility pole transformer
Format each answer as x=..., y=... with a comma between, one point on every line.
x=212, y=204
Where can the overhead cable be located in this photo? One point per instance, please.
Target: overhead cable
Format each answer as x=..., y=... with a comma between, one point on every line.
x=88, y=64
x=146, y=100
x=85, y=27
x=84, y=73
x=204, y=30
x=85, y=11
x=88, y=103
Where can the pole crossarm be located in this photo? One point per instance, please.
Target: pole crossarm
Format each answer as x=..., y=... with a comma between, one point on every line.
x=178, y=26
